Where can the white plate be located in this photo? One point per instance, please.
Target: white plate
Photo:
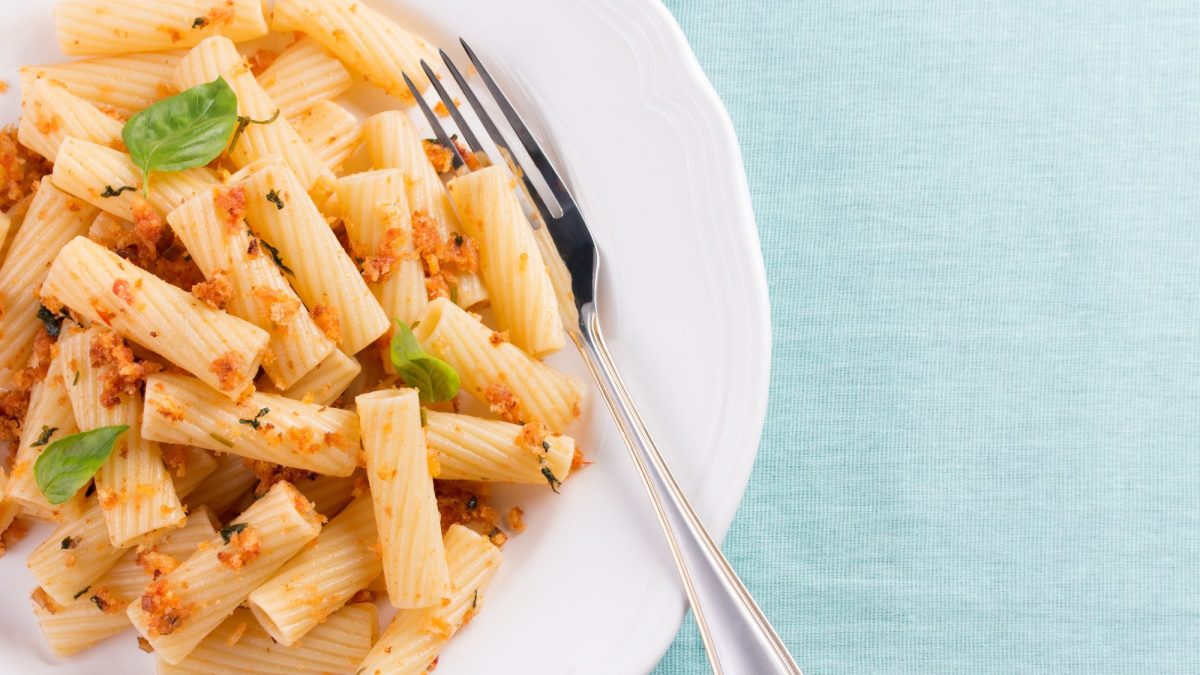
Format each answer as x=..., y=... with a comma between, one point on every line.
x=652, y=158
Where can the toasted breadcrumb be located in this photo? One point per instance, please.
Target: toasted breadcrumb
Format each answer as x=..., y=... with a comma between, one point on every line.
x=269, y=474
x=243, y=547
x=231, y=204
x=175, y=458
x=278, y=307
x=216, y=292
x=464, y=503
x=21, y=169
x=498, y=338
x=144, y=645
x=14, y=533
x=43, y=600
x=578, y=461
x=516, y=519
x=154, y=563
x=441, y=157
x=327, y=320
x=532, y=437
x=121, y=374
x=261, y=59
x=503, y=402
x=226, y=367
x=105, y=601
x=165, y=611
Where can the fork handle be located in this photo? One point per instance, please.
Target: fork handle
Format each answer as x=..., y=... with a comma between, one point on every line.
x=737, y=636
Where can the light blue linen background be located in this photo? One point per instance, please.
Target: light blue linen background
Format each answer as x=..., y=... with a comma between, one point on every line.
x=981, y=225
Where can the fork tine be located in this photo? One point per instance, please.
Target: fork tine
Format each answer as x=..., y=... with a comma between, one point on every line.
x=447, y=100
x=557, y=187
x=494, y=132
x=438, y=131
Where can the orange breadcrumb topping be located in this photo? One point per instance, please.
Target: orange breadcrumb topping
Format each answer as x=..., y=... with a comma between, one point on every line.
x=21, y=169
x=216, y=292
x=516, y=519
x=503, y=402
x=165, y=611
x=243, y=547
x=498, y=338
x=144, y=645
x=532, y=437
x=279, y=307
x=578, y=461
x=261, y=59
x=463, y=503
x=43, y=600
x=175, y=458
x=231, y=204
x=269, y=474
x=14, y=533
x=122, y=374
x=226, y=367
x=154, y=563
x=327, y=320
x=441, y=157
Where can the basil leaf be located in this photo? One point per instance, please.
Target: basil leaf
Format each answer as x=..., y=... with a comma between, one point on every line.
x=72, y=460
x=433, y=378
x=183, y=131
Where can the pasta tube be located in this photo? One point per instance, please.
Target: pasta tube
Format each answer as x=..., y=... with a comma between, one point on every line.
x=54, y=219
x=324, y=277
x=319, y=580
x=239, y=646
x=50, y=113
x=225, y=250
x=365, y=40
x=327, y=381
x=124, y=84
x=414, y=638
x=93, y=27
x=333, y=132
x=133, y=486
x=179, y=608
x=379, y=225
x=517, y=387
x=303, y=75
x=522, y=296
x=100, y=612
x=414, y=560
x=48, y=418
x=472, y=448
x=266, y=427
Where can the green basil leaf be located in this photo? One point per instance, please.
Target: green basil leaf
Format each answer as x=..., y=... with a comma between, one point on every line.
x=433, y=378
x=72, y=460
x=183, y=131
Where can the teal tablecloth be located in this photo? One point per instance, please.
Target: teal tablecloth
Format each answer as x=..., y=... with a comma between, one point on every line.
x=981, y=225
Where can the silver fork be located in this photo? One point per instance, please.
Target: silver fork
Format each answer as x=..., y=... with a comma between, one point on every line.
x=736, y=634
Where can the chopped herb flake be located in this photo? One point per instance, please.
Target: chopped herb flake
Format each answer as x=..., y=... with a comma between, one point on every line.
x=99, y=603
x=110, y=192
x=76, y=380
x=230, y=530
x=80, y=593
x=255, y=423
x=70, y=542
x=51, y=321
x=551, y=479
x=200, y=22
x=44, y=438
x=472, y=503
x=475, y=599
x=275, y=199
x=275, y=256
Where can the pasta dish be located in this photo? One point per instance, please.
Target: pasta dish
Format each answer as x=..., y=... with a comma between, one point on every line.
x=263, y=354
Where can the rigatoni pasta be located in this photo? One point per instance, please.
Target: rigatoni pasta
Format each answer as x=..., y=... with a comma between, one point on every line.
x=93, y=27
x=220, y=349
x=241, y=646
x=302, y=76
x=50, y=113
x=182, y=606
x=322, y=274
x=123, y=84
x=323, y=384
x=133, y=486
x=413, y=639
x=48, y=418
x=100, y=612
x=54, y=218
x=402, y=490
x=253, y=286
x=268, y=427
x=517, y=387
x=472, y=448
x=319, y=580
x=365, y=40
x=522, y=296
x=333, y=132
x=379, y=225
x=217, y=57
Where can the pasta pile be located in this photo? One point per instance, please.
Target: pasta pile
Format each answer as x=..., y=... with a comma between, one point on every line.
x=234, y=373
